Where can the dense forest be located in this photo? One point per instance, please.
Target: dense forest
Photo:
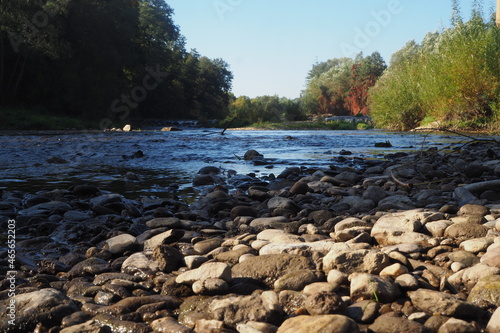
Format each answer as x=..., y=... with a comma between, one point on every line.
x=124, y=61
x=110, y=61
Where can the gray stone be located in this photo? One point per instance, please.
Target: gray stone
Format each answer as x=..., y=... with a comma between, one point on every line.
x=168, y=222
x=46, y=208
x=283, y=203
x=251, y=155
x=166, y=237
x=407, y=282
x=374, y=193
x=324, y=303
x=76, y=215
x=444, y=304
x=357, y=204
x=207, y=245
x=47, y=306
x=297, y=280
x=351, y=261
x=402, y=227
x=210, y=270
x=369, y=286
x=268, y=268
x=363, y=311
x=266, y=222
x=169, y=324
x=389, y=323
x=236, y=309
x=120, y=243
x=399, y=202
x=141, y=262
x=319, y=324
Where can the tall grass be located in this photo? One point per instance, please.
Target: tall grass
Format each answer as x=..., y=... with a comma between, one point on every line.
x=452, y=76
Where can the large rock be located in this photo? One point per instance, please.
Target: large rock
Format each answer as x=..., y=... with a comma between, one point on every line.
x=141, y=262
x=23, y=312
x=211, y=270
x=470, y=276
x=466, y=231
x=120, y=243
x=297, y=280
x=486, y=290
x=492, y=256
x=319, y=324
x=403, y=227
x=352, y=261
x=235, y=309
x=369, y=286
x=283, y=203
x=268, y=268
x=494, y=323
x=391, y=324
x=444, y=304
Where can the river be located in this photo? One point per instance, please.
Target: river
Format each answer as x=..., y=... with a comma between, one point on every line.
x=104, y=158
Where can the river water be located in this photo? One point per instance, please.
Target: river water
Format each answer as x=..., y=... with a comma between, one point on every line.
x=103, y=158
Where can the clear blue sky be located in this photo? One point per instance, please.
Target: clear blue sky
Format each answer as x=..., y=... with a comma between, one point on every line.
x=271, y=45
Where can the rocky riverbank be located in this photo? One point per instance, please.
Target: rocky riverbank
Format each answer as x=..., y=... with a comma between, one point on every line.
x=407, y=244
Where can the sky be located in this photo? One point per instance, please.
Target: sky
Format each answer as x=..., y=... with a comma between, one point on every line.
x=271, y=45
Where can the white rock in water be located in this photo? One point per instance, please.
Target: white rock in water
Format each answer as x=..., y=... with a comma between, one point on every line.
x=127, y=128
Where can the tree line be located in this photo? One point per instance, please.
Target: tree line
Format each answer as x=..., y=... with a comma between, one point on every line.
x=115, y=60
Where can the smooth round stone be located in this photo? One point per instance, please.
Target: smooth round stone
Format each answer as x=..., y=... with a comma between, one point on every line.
x=394, y=270
x=210, y=287
x=320, y=287
x=245, y=257
x=336, y=277
x=407, y=281
x=457, y=266
x=259, y=244
x=195, y=261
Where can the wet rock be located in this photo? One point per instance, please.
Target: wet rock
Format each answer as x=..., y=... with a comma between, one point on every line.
x=267, y=222
x=486, y=290
x=89, y=266
x=300, y=188
x=85, y=190
x=90, y=326
x=369, y=286
x=319, y=324
x=375, y=194
x=118, y=325
x=202, y=180
x=432, y=302
x=172, y=288
x=213, y=270
x=357, y=204
x=131, y=304
x=235, y=309
x=369, y=261
x=324, y=303
x=388, y=323
x=47, y=306
x=268, y=268
x=75, y=215
x=251, y=155
x=209, y=170
x=193, y=309
x=169, y=324
x=46, y=208
x=283, y=203
x=297, y=280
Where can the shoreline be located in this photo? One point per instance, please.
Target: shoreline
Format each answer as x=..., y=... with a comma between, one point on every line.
x=299, y=248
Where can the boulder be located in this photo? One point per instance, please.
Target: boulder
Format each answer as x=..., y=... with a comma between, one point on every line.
x=210, y=270
x=352, y=261
x=436, y=302
x=319, y=324
x=369, y=286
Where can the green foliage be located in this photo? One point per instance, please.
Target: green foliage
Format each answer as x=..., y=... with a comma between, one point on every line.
x=452, y=76
x=118, y=59
x=307, y=125
x=36, y=119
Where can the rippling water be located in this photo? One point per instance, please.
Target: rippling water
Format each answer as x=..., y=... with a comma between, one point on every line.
x=103, y=159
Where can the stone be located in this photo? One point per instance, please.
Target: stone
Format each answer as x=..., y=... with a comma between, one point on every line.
x=242, y=211
x=292, y=302
x=471, y=209
x=337, y=277
x=363, y=311
x=168, y=258
x=210, y=270
x=300, y=188
x=492, y=256
x=306, y=248
x=494, y=322
x=168, y=222
x=436, y=302
x=46, y=208
x=166, y=237
x=297, y=280
x=89, y=266
x=394, y=270
x=211, y=287
x=319, y=324
x=437, y=228
x=207, y=245
x=76, y=215
x=388, y=323
x=350, y=222
x=454, y=325
x=324, y=303
x=357, y=204
x=486, y=290
x=465, y=231
x=374, y=193
x=266, y=222
x=407, y=282
x=320, y=216
x=476, y=245
x=464, y=257
x=120, y=243
x=470, y=276
x=398, y=202
x=402, y=227
x=351, y=261
x=47, y=306
x=283, y=203
x=268, y=268
x=251, y=155
x=256, y=327
x=236, y=309
x=194, y=261
x=320, y=287
x=169, y=324
x=374, y=287
x=140, y=262
x=131, y=304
